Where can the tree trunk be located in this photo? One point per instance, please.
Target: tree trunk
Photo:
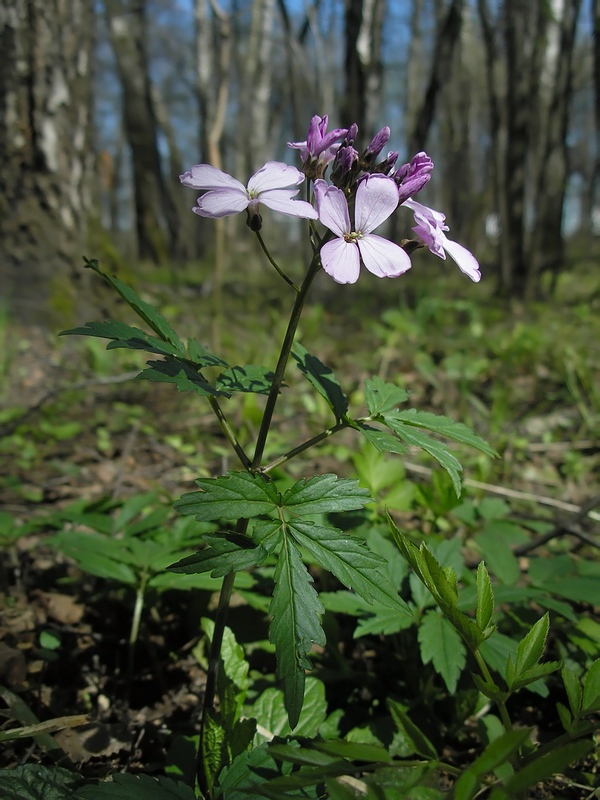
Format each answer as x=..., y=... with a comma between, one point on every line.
x=45, y=153
x=447, y=35
x=363, y=28
x=156, y=217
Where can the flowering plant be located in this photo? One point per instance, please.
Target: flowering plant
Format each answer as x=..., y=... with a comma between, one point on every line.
x=349, y=195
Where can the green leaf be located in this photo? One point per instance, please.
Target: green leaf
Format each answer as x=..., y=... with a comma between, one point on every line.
x=182, y=374
x=354, y=751
x=381, y=396
x=144, y=310
x=546, y=766
x=214, y=746
x=136, y=787
x=485, y=599
x=248, y=772
x=351, y=561
x=295, y=625
x=384, y=442
x=415, y=737
x=573, y=687
x=227, y=552
x=245, y=379
x=232, y=496
x=97, y=554
x=323, y=379
x=324, y=494
x=499, y=557
x=495, y=754
x=271, y=716
x=123, y=336
x=416, y=438
x=531, y=648
x=533, y=674
x=202, y=357
x=441, y=644
x=36, y=782
x=591, y=689
x=445, y=427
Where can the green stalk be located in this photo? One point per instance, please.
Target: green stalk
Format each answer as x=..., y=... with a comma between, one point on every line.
x=284, y=355
x=488, y=679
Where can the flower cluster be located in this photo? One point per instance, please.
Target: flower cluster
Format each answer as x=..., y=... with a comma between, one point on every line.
x=360, y=196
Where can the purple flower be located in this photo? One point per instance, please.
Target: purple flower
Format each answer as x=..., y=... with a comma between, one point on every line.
x=412, y=177
x=225, y=195
x=377, y=144
x=430, y=227
x=376, y=199
x=320, y=147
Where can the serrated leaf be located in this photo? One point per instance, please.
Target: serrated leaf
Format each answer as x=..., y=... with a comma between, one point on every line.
x=351, y=561
x=439, y=451
x=136, y=787
x=247, y=773
x=546, y=766
x=323, y=379
x=485, y=598
x=37, y=782
x=295, y=625
x=381, y=396
x=591, y=689
x=144, y=310
x=232, y=496
x=445, y=427
x=487, y=688
x=574, y=691
x=182, y=374
x=227, y=552
x=325, y=494
x=245, y=379
x=271, y=715
x=416, y=738
x=495, y=754
x=97, y=554
x=533, y=674
x=214, y=741
x=123, y=335
x=202, y=357
x=382, y=440
x=441, y=644
x=499, y=557
x=531, y=648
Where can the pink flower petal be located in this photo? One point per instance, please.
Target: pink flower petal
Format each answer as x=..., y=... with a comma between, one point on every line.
x=382, y=257
x=281, y=200
x=376, y=200
x=274, y=175
x=221, y=203
x=203, y=176
x=466, y=261
x=333, y=209
x=341, y=260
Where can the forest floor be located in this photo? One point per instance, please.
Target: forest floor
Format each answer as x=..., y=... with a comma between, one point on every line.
x=73, y=431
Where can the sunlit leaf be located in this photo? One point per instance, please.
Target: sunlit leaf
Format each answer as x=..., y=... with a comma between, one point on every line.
x=323, y=379
x=325, y=494
x=381, y=396
x=231, y=496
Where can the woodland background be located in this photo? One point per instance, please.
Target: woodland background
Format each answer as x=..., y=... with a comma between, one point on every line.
x=104, y=104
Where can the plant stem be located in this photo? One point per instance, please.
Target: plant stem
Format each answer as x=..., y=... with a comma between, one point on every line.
x=488, y=678
x=229, y=432
x=284, y=355
x=274, y=264
x=304, y=446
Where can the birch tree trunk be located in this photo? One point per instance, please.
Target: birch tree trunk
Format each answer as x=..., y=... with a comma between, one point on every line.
x=45, y=153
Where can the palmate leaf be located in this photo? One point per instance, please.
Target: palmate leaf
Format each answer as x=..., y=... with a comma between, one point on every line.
x=245, y=379
x=441, y=644
x=295, y=625
x=381, y=396
x=123, y=335
x=351, y=561
x=323, y=379
x=144, y=310
x=231, y=496
x=324, y=494
x=182, y=374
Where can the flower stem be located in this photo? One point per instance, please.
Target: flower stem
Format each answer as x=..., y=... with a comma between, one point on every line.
x=284, y=355
x=273, y=263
